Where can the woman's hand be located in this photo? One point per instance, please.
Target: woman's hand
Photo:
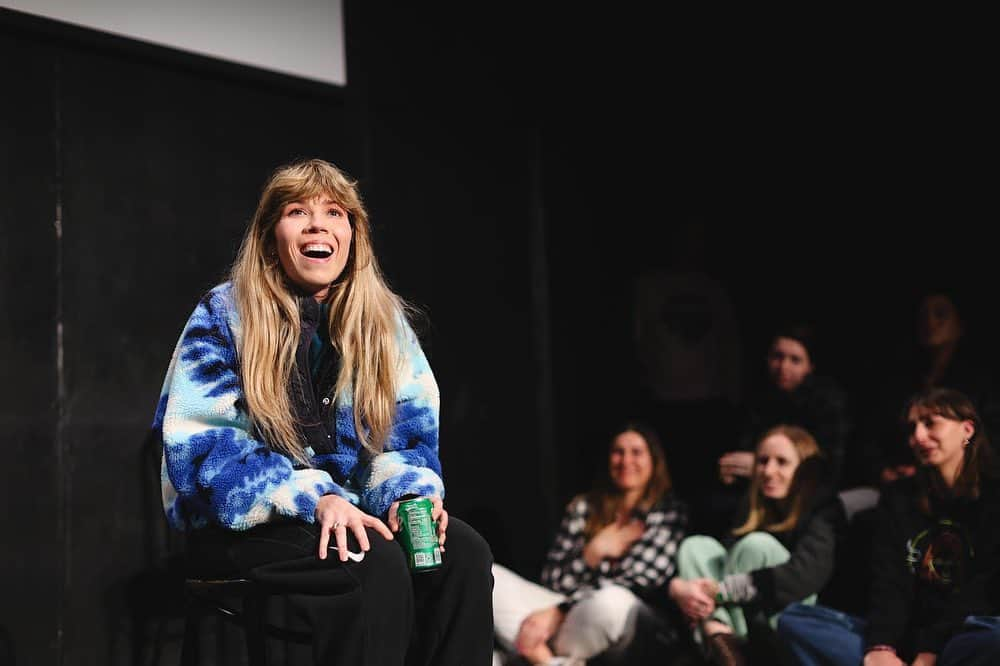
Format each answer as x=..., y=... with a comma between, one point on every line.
x=734, y=464
x=882, y=658
x=438, y=513
x=925, y=659
x=335, y=514
x=537, y=629
x=612, y=541
x=692, y=598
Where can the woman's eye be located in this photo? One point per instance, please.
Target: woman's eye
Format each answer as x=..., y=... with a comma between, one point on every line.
x=296, y=211
x=336, y=212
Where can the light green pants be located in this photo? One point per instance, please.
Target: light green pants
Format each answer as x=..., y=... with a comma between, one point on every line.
x=704, y=557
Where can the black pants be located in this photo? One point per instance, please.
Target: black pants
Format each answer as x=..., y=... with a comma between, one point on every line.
x=374, y=612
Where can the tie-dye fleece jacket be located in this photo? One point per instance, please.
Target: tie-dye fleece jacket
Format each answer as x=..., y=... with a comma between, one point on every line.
x=215, y=471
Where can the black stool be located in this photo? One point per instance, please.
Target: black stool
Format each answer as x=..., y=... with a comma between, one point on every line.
x=240, y=601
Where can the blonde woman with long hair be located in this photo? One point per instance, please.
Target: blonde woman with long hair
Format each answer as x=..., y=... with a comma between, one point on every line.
x=781, y=552
x=297, y=412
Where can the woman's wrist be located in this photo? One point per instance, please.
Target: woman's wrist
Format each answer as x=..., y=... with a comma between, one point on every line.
x=880, y=647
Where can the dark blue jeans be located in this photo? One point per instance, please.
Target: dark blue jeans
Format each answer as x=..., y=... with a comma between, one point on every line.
x=820, y=636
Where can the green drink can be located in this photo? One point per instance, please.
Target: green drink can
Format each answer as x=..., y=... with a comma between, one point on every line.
x=418, y=534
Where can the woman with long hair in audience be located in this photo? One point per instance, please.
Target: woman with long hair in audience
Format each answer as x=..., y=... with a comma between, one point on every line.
x=781, y=552
x=935, y=559
x=608, y=563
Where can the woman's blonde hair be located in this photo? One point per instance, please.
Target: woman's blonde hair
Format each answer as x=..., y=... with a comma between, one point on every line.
x=364, y=315
x=783, y=515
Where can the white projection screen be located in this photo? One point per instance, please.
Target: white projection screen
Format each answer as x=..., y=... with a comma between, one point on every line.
x=303, y=38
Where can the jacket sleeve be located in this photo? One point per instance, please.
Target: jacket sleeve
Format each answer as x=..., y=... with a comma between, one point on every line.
x=832, y=427
x=214, y=470
x=652, y=560
x=409, y=463
x=565, y=570
x=891, y=583
x=809, y=567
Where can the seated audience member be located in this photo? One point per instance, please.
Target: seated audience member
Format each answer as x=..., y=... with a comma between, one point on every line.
x=792, y=393
x=935, y=557
x=781, y=553
x=944, y=353
x=614, y=552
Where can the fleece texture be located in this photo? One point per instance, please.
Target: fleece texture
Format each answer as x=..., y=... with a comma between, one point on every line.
x=217, y=471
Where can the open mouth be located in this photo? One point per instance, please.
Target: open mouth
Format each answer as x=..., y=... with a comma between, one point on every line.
x=317, y=250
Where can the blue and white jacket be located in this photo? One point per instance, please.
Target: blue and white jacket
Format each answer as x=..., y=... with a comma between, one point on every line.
x=216, y=471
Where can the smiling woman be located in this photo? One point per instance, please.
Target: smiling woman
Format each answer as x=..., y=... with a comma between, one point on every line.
x=784, y=552
x=613, y=554
x=935, y=556
x=297, y=413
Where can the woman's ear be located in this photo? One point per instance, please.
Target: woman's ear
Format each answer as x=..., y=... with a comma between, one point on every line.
x=970, y=429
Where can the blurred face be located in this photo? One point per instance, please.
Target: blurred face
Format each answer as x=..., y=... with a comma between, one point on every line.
x=788, y=363
x=630, y=463
x=313, y=240
x=936, y=440
x=777, y=461
x=938, y=322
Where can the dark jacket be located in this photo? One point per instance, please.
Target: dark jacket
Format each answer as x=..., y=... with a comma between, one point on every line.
x=811, y=543
x=819, y=405
x=929, y=571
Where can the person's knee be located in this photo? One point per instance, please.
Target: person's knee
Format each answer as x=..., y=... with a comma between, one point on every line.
x=756, y=550
x=387, y=558
x=606, y=611
x=467, y=550
x=693, y=545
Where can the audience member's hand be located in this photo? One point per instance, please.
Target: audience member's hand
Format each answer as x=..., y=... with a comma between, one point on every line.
x=438, y=513
x=925, y=659
x=893, y=472
x=734, y=464
x=335, y=514
x=882, y=658
x=691, y=599
x=537, y=629
x=613, y=541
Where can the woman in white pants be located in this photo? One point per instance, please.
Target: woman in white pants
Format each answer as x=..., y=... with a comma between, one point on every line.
x=616, y=546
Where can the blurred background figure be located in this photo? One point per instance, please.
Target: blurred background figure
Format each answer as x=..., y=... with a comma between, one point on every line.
x=781, y=550
x=792, y=392
x=607, y=568
x=944, y=352
x=688, y=349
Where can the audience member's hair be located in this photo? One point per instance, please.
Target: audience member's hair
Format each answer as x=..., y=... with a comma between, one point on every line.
x=783, y=515
x=978, y=462
x=605, y=499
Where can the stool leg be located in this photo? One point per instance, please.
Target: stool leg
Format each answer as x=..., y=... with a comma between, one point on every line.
x=254, y=609
x=191, y=640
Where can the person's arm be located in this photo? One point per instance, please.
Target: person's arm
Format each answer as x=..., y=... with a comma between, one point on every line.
x=651, y=561
x=565, y=569
x=807, y=570
x=832, y=426
x=215, y=470
x=891, y=590
x=409, y=463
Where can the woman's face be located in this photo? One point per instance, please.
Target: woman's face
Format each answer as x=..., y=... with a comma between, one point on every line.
x=777, y=461
x=788, y=363
x=936, y=440
x=313, y=241
x=630, y=463
x=938, y=322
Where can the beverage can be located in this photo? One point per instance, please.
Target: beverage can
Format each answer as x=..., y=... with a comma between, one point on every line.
x=418, y=534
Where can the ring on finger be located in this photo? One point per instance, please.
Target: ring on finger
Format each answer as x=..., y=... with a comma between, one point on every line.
x=337, y=524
